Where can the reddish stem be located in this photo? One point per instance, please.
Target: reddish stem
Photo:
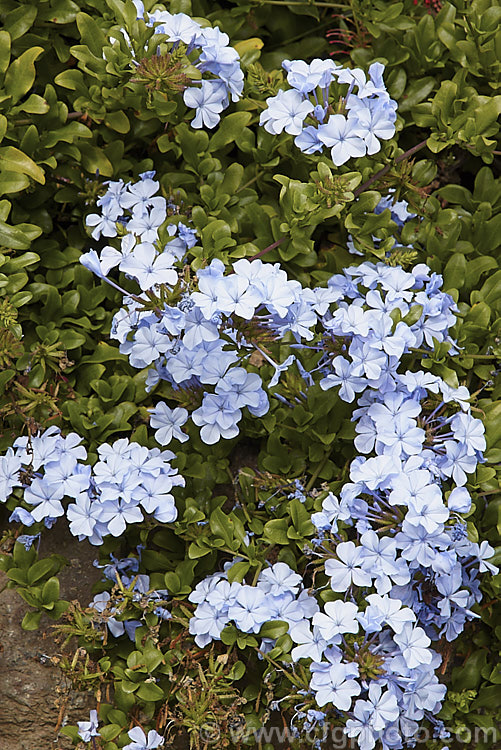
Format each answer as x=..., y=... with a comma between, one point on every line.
x=386, y=169
x=267, y=249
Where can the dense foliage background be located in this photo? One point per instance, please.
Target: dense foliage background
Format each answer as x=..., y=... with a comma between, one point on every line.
x=70, y=118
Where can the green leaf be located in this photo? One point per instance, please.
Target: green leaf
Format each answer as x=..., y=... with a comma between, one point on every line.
x=62, y=11
x=95, y=161
x=492, y=422
x=491, y=291
x=104, y=353
x=40, y=569
x=249, y=50
x=20, y=20
x=12, y=182
x=91, y=34
x=68, y=133
x=18, y=575
x=50, y=591
x=20, y=76
x=455, y=272
x=117, y=121
x=35, y=105
x=3, y=127
x=14, y=237
x=72, y=339
x=417, y=92
x=301, y=518
x=196, y=550
x=229, y=130
x=275, y=531
x=237, y=671
x=238, y=571
x=23, y=557
x=109, y=732
x=4, y=51
x=70, y=79
x=487, y=114
x=14, y=160
x=221, y=526
x=152, y=658
x=148, y=691
x=172, y=582
x=5, y=377
x=273, y=629
x=443, y=103
x=413, y=315
x=31, y=620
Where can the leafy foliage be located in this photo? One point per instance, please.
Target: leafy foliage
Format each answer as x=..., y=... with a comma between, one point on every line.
x=73, y=113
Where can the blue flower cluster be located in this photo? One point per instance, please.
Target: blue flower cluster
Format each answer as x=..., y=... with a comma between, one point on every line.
x=382, y=312
x=137, y=208
x=202, y=339
x=328, y=105
x=399, y=566
x=279, y=594
x=369, y=652
x=410, y=574
x=208, y=51
x=127, y=480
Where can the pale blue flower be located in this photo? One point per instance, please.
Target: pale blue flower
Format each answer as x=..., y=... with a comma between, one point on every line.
x=340, y=135
x=142, y=742
x=286, y=111
x=167, y=423
x=88, y=729
x=209, y=99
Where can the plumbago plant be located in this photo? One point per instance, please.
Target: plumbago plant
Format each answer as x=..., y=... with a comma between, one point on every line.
x=279, y=428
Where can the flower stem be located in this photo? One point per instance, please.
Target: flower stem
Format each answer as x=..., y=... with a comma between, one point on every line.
x=250, y=182
x=491, y=357
x=267, y=249
x=317, y=471
x=386, y=169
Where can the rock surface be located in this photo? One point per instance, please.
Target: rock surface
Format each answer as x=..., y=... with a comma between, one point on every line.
x=35, y=696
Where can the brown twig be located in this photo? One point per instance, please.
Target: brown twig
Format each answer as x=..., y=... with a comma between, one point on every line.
x=267, y=249
x=386, y=169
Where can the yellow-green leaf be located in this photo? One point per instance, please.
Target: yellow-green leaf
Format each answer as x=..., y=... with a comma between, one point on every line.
x=117, y=121
x=249, y=50
x=20, y=20
x=95, y=161
x=21, y=74
x=4, y=50
x=13, y=160
x=13, y=237
x=35, y=105
x=12, y=182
